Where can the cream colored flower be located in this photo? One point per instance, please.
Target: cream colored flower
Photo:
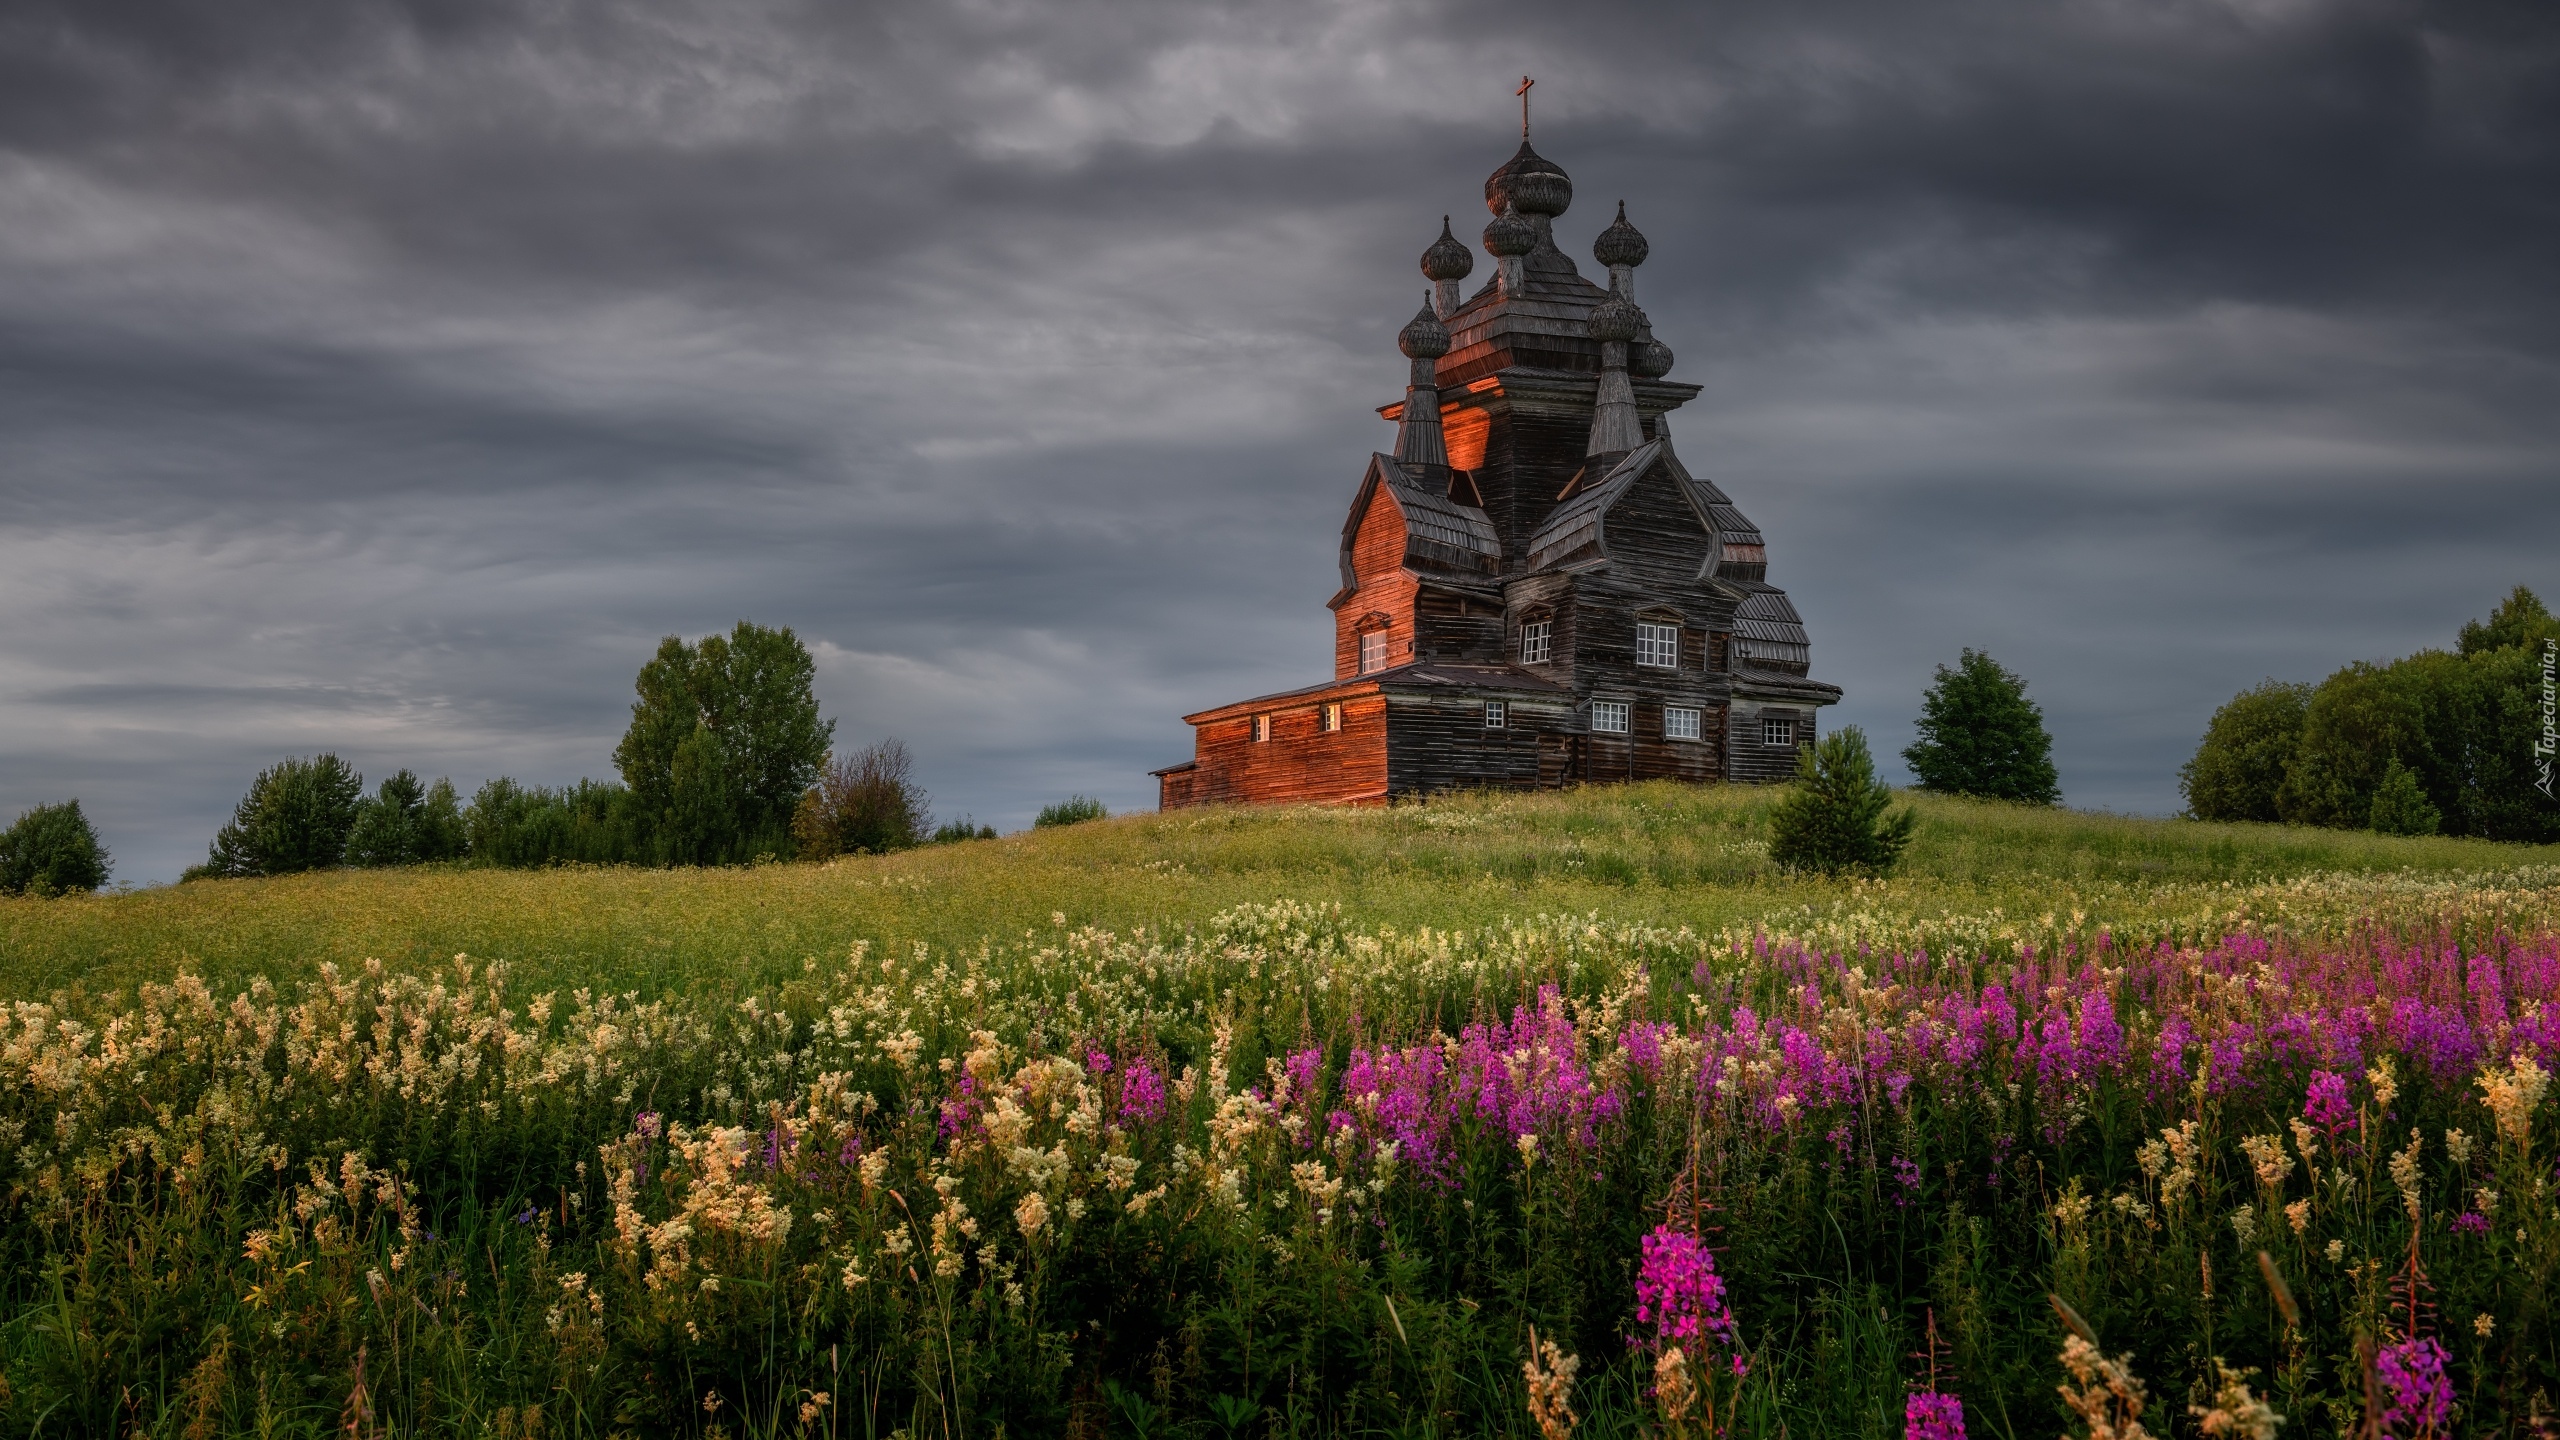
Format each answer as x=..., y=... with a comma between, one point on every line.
x=1031, y=1214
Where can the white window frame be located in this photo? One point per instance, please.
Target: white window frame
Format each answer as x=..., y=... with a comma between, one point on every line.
x=1329, y=719
x=1496, y=715
x=1537, y=641
x=1610, y=717
x=1777, y=730
x=1657, y=645
x=1261, y=729
x=1373, y=651
x=1679, y=722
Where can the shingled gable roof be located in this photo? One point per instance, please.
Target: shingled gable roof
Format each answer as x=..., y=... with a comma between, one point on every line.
x=1503, y=680
x=1440, y=533
x=1578, y=523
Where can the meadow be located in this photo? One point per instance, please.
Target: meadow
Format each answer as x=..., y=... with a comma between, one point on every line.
x=1303, y=1123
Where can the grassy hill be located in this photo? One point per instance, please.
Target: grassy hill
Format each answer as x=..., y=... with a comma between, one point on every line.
x=1659, y=854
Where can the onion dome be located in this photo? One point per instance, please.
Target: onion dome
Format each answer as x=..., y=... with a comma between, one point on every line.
x=1529, y=181
x=1448, y=258
x=1621, y=243
x=1509, y=235
x=1616, y=318
x=1424, y=337
x=1649, y=360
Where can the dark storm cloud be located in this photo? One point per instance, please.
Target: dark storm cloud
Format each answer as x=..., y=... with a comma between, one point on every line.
x=387, y=377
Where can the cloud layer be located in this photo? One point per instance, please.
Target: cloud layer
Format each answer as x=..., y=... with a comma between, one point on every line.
x=388, y=377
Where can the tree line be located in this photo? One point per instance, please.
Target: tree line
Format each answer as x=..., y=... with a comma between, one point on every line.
x=2440, y=742
x=726, y=761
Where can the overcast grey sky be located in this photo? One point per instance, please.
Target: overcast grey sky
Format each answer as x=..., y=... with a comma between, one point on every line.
x=387, y=378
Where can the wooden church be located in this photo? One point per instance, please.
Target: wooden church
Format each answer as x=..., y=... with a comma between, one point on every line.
x=1535, y=590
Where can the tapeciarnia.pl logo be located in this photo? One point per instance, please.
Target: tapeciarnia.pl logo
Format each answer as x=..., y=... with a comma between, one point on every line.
x=2544, y=748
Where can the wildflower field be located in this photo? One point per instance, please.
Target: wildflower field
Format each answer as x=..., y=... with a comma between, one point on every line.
x=1497, y=1116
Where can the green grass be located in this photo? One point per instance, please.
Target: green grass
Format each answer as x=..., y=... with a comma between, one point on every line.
x=1658, y=854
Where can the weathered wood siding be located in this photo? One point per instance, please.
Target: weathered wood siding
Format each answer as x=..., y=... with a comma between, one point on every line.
x=1439, y=742
x=1380, y=586
x=1300, y=764
x=1751, y=758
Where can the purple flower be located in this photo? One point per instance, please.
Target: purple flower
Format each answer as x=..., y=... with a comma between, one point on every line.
x=2414, y=1382
x=1097, y=1062
x=2471, y=1222
x=2328, y=1106
x=1141, y=1092
x=1906, y=1175
x=1928, y=1415
x=1679, y=1293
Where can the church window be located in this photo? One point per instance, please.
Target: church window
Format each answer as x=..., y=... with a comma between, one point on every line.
x=1496, y=715
x=1261, y=728
x=1373, y=651
x=1536, y=642
x=1777, y=730
x=1679, y=723
x=1331, y=718
x=1609, y=717
x=1658, y=645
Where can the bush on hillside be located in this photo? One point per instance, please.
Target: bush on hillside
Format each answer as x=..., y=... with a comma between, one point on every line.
x=865, y=803
x=51, y=850
x=2462, y=724
x=2239, y=767
x=1074, y=810
x=1834, y=819
x=1981, y=735
x=725, y=738
x=406, y=822
x=2400, y=807
x=951, y=832
x=296, y=817
x=518, y=826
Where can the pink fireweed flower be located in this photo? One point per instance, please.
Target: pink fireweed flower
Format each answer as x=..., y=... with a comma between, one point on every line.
x=2414, y=1382
x=1928, y=1415
x=1680, y=1295
x=1141, y=1092
x=2328, y=1106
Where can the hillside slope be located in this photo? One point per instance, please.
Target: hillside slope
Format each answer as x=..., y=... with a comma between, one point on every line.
x=1661, y=854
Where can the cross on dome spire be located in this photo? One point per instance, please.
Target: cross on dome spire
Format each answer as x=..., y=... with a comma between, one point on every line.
x=1523, y=93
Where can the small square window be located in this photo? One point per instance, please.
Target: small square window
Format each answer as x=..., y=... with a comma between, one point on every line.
x=1496, y=715
x=1331, y=718
x=1536, y=642
x=1777, y=731
x=1261, y=728
x=1679, y=723
x=1609, y=717
x=1658, y=645
x=1373, y=651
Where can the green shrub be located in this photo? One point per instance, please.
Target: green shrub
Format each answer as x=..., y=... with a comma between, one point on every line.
x=1074, y=810
x=951, y=832
x=1981, y=735
x=867, y=803
x=51, y=850
x=2239, y=767
x=519, y=827
x=2400, y=807
x=296, y=817
x=1834, y=819
x=406, y=822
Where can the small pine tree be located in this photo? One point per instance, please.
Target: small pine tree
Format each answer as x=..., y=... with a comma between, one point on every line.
x=2400, y=804
x=1981, y=735
x=296, y=816
x=1834, y=819
x=51, y=851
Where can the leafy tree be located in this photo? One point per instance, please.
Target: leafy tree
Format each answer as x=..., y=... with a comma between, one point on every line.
x=2356, y=723
x=1074, y=810
x=866, y=802
x=1834, y=819
x=405, y=822
x=2239, y=766
x=2519, y=620
x=516, y=826
x=296, y=816
x=1981, y=735
x=2400, y=807
x=51, y=850
x=725, y=737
